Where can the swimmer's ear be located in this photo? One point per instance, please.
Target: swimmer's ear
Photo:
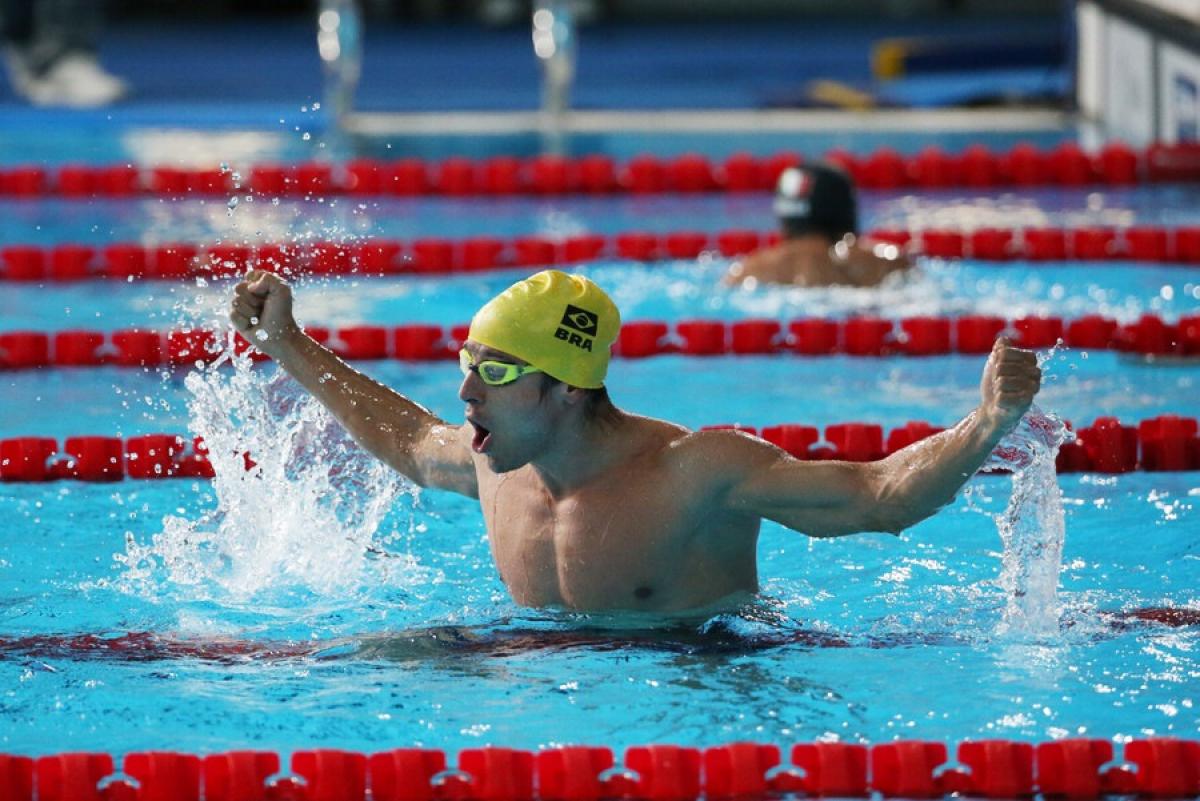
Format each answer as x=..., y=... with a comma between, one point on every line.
x=572, y=395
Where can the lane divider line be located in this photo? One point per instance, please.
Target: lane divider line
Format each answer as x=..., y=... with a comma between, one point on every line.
x=126, y=261
x=1159, y=444
x=1149, y=337
x=975, y=167
x=1081, y=768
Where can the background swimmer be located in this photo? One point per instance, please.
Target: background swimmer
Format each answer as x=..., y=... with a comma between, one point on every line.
x=818, y=217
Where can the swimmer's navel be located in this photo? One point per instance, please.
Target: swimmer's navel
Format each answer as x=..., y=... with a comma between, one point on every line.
x=642, y=593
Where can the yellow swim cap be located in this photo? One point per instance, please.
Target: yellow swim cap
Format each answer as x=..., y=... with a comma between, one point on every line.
x=562, y=324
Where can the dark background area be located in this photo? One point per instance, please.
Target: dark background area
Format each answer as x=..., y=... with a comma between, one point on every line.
x=255, y=63
x=516, y=12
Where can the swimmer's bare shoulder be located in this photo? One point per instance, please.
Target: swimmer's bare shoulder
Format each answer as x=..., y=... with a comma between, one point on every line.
x=868, y=263
x=810, y=263
x=775, y=265
x=740, y=476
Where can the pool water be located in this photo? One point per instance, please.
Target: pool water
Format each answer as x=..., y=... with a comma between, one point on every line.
x=865, y=638
x=320, y=601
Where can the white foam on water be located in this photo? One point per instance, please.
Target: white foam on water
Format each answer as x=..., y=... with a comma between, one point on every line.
x=1033, y=526
x=305, y=515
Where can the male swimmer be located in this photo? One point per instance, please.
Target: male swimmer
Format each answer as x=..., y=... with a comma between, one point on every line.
x=592, y=508
x=818, y=219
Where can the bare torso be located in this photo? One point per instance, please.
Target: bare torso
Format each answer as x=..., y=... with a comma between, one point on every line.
x=622, y=541
x=812, y=262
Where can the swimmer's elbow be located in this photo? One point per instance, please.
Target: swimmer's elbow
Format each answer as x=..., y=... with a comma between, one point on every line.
x=890, y=501
x=896, y=514
x=441, y=477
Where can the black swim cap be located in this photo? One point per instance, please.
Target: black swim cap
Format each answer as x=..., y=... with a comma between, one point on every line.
x=816, y=198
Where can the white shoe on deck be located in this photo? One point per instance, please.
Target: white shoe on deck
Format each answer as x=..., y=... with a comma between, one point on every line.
x=74, y=81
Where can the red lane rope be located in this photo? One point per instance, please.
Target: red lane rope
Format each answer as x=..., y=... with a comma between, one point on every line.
x=1149, y=336
x=977, y=167
x=437, y=256
x=1082, y=769
x=1164, y=443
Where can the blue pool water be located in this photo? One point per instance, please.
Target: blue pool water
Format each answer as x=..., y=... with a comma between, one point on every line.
x=320, y=601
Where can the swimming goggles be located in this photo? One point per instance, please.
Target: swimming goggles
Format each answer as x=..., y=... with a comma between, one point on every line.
x=493, y=373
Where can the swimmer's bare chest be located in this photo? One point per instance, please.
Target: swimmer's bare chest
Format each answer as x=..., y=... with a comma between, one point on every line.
x=617, y=545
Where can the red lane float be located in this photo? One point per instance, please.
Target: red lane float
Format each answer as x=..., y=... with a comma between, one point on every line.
x=572, y=773
x=27, y=458
x=434, y=255
x=924, y=336
x=237, y=775
x=1160, y=444
x=795, y=439
x=977, y=166
x=815, y=337
x=1149, y=337
x=1074, y=769
x=908, y=769
x=739, y=770
x=162, y=776
x=24, y=349
x=664, y=772
x=832, y=769
x=98, y=458
x=404, y=774
x=327, y=774
x=640, y=339
x=71, y=777
x=1071, y=769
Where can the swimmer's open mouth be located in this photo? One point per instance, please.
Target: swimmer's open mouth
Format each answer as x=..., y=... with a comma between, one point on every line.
x=482, y=438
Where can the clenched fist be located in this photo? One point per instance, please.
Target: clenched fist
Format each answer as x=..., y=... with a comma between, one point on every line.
x=261, y=311
x=1010, y=380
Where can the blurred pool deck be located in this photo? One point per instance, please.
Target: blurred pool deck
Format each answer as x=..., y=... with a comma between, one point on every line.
x=239, y=72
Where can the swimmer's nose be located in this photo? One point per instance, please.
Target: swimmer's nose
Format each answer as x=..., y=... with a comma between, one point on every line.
x=471, y=389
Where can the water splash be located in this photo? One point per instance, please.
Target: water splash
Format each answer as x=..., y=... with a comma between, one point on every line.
x=299, y=505
x=1033, y=526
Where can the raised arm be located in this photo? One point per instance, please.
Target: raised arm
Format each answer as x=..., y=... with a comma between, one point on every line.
x=826, y=499
x=398, y=431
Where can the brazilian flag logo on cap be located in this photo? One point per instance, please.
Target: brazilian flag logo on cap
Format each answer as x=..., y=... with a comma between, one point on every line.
x=581, y=320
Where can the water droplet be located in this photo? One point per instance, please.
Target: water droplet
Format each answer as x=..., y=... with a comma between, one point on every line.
x=261, y=335
x=306, y=136
x=233, y=203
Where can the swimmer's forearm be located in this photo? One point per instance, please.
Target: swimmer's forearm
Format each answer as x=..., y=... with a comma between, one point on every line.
x=380, y=419
x=917, y=481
